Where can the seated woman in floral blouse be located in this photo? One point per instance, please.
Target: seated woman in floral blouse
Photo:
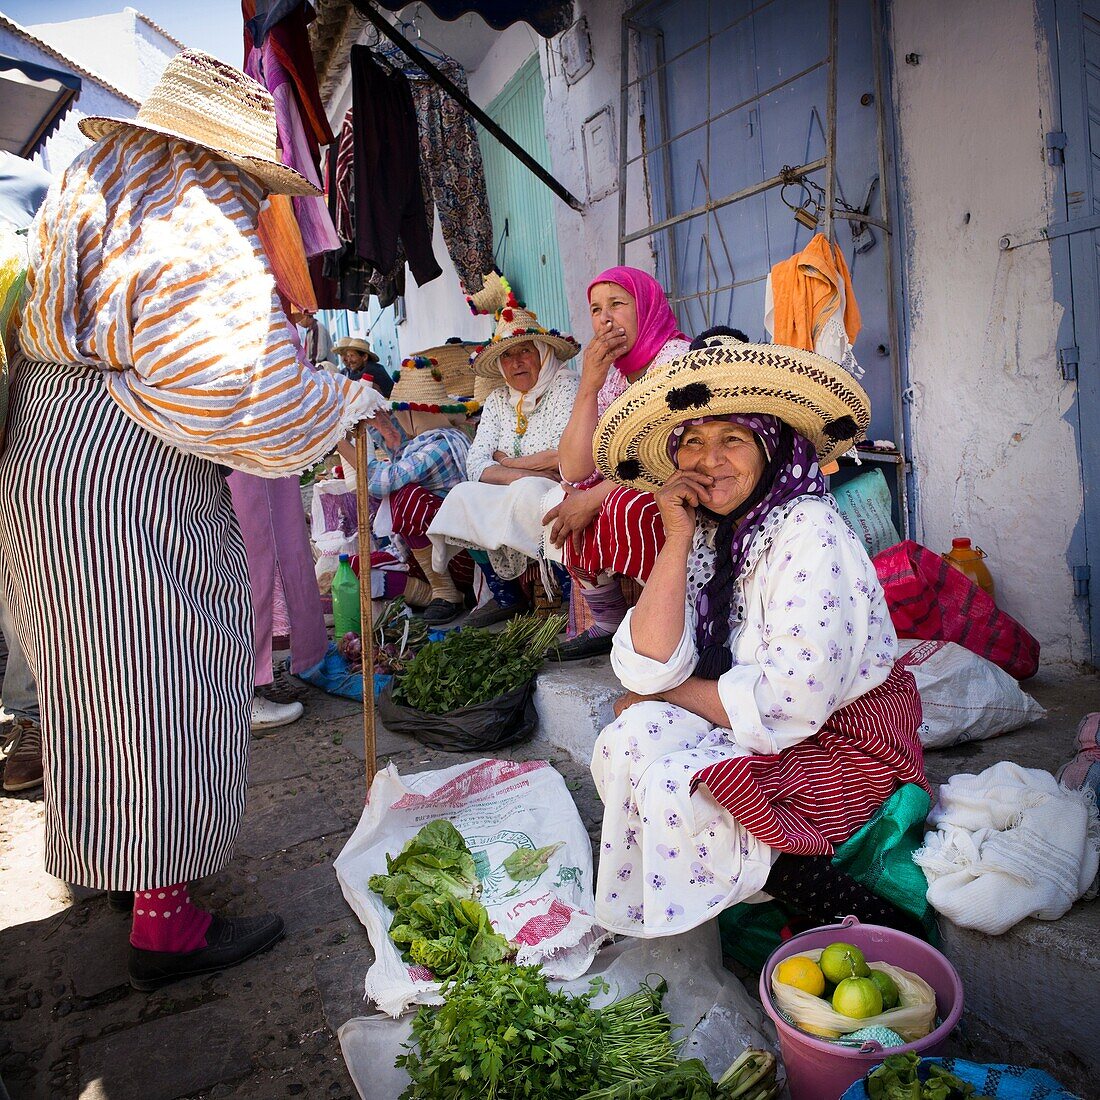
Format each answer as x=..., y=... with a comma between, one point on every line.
x=513, y=460
x=765, y=720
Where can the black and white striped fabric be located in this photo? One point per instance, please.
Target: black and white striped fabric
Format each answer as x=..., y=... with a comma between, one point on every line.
x=129, y=587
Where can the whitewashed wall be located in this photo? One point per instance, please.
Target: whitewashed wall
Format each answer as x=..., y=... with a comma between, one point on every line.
x=995, y=456
x=121, y=47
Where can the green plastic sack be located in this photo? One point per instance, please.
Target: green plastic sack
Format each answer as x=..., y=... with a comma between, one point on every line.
x=879, y=855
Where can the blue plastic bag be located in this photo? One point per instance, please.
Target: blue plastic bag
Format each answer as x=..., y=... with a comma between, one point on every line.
x=998, y=1082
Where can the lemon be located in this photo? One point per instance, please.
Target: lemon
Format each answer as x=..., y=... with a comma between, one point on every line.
x=802, y=973
x=887, y=987
x=857, y=998
x=841, y=960
x=820, y=1032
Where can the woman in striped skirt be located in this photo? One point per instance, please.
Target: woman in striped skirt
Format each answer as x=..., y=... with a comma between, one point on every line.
x=155, y=355
x=770, y=723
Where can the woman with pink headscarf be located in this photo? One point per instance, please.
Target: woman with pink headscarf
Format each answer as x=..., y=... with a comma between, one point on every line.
x=606, y=530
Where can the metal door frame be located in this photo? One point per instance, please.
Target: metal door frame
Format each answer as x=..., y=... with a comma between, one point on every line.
x=891, y=222
x=1075, y=273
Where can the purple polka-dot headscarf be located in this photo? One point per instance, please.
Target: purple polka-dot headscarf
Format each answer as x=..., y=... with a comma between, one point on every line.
x=791, y=471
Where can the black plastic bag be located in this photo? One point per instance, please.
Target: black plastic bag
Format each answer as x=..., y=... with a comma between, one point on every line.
x=505, y=720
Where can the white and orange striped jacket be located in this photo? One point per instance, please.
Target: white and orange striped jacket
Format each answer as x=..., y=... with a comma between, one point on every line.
x=145, y=264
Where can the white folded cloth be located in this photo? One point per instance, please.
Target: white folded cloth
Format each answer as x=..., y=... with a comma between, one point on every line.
x=1006, y=844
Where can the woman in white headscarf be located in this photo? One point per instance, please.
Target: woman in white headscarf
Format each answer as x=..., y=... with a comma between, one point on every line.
x=513, y=461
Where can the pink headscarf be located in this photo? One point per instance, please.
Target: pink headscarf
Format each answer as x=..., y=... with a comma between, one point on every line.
x=656, y=321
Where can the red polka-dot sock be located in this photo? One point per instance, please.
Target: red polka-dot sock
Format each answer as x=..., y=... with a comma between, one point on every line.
x=165, y=920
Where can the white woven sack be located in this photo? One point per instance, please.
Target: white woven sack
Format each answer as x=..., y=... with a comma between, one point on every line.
x=963, y=696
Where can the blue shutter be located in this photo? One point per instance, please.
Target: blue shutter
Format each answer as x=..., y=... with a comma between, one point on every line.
x=524, y=210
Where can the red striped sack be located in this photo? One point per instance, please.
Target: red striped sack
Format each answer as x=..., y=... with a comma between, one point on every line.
x=932, y=600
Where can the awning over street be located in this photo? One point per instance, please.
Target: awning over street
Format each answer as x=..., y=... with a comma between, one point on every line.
x=547, y=17
x=33, y=100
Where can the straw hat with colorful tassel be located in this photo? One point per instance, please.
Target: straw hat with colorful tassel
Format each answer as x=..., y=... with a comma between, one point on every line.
x=453, y=362
x=419, y=386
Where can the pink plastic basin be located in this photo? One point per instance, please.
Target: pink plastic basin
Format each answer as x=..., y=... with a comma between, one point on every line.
x=820, y=1070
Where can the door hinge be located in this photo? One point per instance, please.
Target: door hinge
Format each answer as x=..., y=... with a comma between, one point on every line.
x=1081, y=580
x=1056, y=148
x=1068, y=360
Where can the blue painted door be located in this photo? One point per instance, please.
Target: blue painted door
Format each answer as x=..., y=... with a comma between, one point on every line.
x=524, y=210
x=1076, y=258
x=721, y=95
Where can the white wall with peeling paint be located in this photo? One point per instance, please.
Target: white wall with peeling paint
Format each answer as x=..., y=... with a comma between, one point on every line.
x=993, y=445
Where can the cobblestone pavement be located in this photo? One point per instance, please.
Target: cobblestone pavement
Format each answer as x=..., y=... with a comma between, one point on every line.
x=71, y=1026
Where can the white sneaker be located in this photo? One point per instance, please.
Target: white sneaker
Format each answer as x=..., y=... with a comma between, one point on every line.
x=267, y=715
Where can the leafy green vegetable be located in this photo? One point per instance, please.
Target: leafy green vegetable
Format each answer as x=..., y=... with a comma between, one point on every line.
x=472, y=666
x=899, y=1078
x=433, y=889
x=527, y=863
x=503, y=1034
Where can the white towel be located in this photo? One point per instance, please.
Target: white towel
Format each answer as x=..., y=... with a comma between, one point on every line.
x=1009, y=843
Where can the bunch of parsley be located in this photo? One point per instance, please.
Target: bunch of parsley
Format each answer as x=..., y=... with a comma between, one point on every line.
x=504, y=1034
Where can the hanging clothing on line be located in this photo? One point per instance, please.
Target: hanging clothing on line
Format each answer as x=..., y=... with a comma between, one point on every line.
x=281, y=238
x=389, y=199
x=351, y=278
x=298, y=148
x=287, y=23
x=451, y=159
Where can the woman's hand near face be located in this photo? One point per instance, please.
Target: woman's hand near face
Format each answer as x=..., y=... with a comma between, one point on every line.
x=607, y=345
x=678, y=500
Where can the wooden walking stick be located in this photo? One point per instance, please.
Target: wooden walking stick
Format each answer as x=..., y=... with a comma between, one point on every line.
x=366, y=623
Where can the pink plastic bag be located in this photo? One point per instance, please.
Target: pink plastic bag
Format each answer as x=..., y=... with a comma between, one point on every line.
x=932, y=600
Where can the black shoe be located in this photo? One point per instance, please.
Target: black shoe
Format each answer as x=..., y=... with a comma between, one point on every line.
x=441, y=611
x=121, y=901
x=584, y=645
x=229, y=940
x=492, y=613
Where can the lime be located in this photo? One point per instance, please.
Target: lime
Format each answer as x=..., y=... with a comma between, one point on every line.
x=857, y=998
x=887, y=987
x=802, y=973
x=841, y=960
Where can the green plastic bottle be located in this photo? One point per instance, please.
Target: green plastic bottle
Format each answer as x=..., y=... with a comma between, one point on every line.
x=345, y=599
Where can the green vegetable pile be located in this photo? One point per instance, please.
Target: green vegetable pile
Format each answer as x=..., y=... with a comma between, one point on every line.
x=433, y=889
x=898, y=1079
x=504, y=1034
x=472, y=666
x=751, y=1077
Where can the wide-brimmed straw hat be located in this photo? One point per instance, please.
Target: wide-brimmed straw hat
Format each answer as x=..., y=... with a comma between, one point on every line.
x=484, y=385
x=419, y=386
x=353, y=343
x=515, y=325
x=453, y=361
x=209, y=103
x=817, y=398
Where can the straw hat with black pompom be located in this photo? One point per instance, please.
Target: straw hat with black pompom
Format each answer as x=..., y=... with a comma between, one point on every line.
x=724, y=375
x=206, y=102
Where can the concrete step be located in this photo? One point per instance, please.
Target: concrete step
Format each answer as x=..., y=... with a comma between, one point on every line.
x=1033, y=994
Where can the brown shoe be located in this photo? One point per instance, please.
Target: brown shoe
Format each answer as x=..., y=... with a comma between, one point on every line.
x=23, y=768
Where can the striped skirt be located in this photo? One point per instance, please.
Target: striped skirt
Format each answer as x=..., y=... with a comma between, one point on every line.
x=129, y=588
